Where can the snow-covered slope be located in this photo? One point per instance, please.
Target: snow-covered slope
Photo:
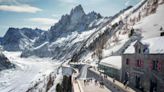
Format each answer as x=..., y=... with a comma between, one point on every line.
x=18, y=39
x=29, y=73
x=150, y=25
x=145, y=25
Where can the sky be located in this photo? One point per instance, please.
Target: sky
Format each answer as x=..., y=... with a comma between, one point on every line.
x=45, y=13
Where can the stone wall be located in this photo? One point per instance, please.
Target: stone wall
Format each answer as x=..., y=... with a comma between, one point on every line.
x=145, y=71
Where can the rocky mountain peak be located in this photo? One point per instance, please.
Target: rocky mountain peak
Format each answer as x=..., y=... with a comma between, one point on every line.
x=17, y=39
x=76, y=14
x=93, y=13
x=77, y=10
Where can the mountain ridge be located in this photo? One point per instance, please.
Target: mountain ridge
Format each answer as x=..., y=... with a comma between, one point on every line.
x=17, y=39
x=75, y=23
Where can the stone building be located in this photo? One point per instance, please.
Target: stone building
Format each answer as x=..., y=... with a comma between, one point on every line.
x=143, y=65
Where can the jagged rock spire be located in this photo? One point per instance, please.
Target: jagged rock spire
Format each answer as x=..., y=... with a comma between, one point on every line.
x=77, y=9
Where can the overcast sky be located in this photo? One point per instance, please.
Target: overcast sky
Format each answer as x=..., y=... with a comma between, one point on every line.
x=44, y=13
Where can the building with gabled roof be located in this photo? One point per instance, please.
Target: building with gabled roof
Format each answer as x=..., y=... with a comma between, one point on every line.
x=143, y=65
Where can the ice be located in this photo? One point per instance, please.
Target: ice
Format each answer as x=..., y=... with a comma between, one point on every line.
x=27, y=72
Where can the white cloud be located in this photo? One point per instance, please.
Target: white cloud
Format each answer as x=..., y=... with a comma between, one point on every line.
x=43, y=23
x=46, y=21
x=16, y=1
x=128, y=2
x=81, y=1
x=68, y=1
x=19, y=8
x=1, y=1
x=44, y=27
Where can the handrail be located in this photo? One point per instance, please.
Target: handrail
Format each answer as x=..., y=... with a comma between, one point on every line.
x=116, y=83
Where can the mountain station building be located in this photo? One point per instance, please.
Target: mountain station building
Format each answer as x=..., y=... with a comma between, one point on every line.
x=143, y=65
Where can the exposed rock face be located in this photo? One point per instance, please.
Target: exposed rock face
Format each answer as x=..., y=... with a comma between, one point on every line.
x=18, y=39
x=5, y=63
x=76, y=21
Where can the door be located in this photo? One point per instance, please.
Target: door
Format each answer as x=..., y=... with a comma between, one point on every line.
x=138, y=80
x=153, y=86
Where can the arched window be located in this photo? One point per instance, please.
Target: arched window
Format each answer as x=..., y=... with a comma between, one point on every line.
x=139, y=63
x=139, y=50
x=127, y=61
x=155, y=65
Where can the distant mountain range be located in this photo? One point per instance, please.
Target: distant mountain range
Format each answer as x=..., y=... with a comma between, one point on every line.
x=76, y=35
x=17, y=39
x=61, y=40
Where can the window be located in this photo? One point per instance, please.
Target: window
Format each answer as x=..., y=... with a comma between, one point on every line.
x=127, y=61
x=155, y=65
x=144, y=50
x=139, y=51
x=139, y=63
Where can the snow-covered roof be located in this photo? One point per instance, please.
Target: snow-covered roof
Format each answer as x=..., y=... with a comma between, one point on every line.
x=155, y=46
x=112, y=61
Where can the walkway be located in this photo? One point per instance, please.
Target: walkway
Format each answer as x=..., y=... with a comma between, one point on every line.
x=117, y=85
x=83, y=72
x=78, y=85
x=91, y=87
x=75, y=83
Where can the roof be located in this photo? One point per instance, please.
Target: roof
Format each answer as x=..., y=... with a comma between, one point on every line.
x=112, y=61
x=155, y=46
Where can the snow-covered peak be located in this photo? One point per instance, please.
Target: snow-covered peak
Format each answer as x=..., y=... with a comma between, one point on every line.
x=17, y=39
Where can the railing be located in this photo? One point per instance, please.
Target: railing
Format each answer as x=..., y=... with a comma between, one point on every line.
x=115, y=86
x=75, y=83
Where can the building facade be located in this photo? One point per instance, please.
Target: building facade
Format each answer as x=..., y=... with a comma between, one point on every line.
x=110, y=71
x=143, y=69
x=111, y=66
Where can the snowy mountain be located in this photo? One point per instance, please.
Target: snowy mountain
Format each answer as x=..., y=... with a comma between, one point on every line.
x=1, y=39
x=77, y=20
x=64, y=38
x=5, y=63
x=18, y=39
x=142, y=21
x=78, y=35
